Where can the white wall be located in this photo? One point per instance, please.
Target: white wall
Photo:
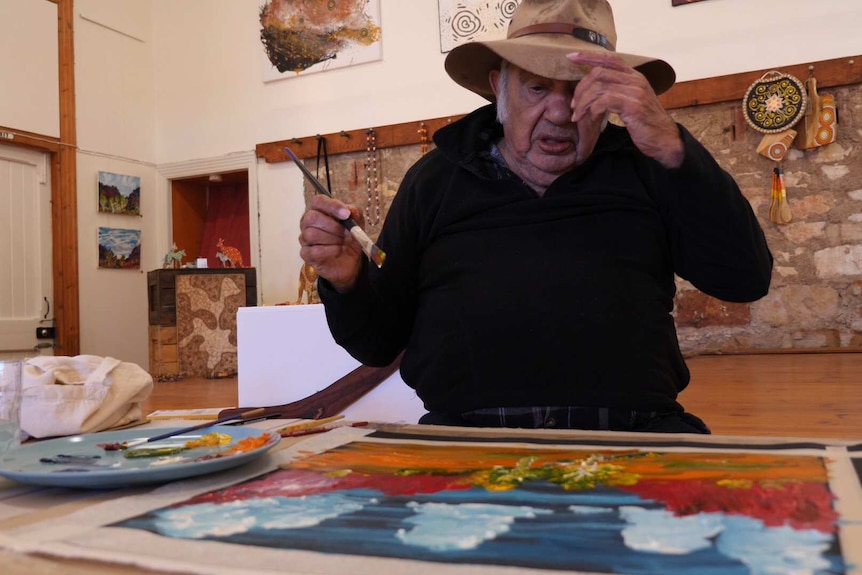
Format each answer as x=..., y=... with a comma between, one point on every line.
x=720, y=37
x=29, y=94
x=116, y=115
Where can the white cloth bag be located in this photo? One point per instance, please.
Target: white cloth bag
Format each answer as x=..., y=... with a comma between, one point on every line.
x=70, y=395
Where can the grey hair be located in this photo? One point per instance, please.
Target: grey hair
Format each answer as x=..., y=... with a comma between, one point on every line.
x=503, y=93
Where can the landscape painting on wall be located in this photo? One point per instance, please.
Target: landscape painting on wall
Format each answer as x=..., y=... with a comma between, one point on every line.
x=119, y=248
x=119, y=194
x=305, y=37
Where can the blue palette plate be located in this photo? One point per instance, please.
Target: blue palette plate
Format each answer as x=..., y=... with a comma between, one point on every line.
x=79, y=461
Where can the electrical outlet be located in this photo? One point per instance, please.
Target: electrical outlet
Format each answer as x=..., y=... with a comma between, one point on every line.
x=44, y=333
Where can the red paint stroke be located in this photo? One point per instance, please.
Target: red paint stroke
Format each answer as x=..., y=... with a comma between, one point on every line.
x=801, y=505
x=297, y=483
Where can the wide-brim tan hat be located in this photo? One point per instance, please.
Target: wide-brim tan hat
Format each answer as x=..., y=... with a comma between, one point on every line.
x=540, y=35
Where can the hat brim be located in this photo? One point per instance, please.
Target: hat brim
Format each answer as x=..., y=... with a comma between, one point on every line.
x=543, y=55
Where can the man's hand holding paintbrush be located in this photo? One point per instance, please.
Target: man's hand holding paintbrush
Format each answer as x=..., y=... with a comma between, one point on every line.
x=327, y=245
x=332, y=252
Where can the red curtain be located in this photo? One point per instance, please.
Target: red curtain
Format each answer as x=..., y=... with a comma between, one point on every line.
x=227, y=219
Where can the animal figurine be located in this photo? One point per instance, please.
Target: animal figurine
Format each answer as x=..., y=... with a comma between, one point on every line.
x=174, y=258
x=228, y=255
x=307, y=284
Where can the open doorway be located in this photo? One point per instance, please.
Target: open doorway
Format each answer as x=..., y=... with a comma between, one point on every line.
x=211, y=212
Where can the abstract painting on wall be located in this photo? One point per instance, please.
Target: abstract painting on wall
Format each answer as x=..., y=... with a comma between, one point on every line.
x=470, y=20
x=407, y=500
x=119, y=248
x=302, y=37
x=119, y=194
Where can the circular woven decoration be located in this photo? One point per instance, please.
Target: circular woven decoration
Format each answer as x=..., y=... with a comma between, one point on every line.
x=774, y=103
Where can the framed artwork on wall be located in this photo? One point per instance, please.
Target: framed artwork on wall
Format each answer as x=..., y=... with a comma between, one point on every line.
x=303, y=37
x=119, y=194
x=469, y=20
x=119, y=248
x=683, y=2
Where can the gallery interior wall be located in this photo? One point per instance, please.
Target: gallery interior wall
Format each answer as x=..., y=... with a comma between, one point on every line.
x=166, y=82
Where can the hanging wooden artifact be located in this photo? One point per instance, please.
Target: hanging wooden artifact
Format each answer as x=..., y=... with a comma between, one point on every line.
x=775, y=148
x=819, y=127
x=423, y=138
x=773, y=105
x=372, y=182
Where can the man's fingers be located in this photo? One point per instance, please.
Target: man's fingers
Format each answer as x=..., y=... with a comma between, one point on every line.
x=597, y=59
x=330, y=206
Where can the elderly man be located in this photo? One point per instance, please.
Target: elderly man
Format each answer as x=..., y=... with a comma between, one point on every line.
x=532, y=254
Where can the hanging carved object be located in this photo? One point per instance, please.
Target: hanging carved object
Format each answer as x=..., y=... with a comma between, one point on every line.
x=819, y=127
x=372, y=183
x=773, y=105
x=423, y=137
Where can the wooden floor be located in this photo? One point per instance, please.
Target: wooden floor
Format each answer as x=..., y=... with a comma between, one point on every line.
x=781, y=394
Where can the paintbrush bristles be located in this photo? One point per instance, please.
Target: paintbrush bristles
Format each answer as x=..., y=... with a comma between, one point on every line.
x=374, y=253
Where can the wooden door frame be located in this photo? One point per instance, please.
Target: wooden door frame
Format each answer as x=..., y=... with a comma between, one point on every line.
x=63, y=154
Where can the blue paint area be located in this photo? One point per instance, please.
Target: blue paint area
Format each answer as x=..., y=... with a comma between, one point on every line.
x=538, y=526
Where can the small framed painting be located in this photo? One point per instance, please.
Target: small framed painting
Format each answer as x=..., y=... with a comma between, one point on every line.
x=683, y=2
x=119, y=248
x=119, y=194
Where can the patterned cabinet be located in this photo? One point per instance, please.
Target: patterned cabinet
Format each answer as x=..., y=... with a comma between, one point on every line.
x=192, y=316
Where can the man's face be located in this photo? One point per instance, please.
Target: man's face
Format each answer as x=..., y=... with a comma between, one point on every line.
x=540, y=140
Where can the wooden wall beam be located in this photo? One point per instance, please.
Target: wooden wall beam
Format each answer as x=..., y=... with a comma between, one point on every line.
x=344, y=142
x=64, y=195
x=829, y=73
x=730, y=88
x=29, y=140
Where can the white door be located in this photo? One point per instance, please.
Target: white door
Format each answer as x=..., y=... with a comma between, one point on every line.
x=25, y=251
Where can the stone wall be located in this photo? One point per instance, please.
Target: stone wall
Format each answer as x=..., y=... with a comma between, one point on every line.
x=815, y=301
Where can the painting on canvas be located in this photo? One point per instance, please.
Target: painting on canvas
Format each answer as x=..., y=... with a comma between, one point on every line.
x=119, y=194
x=469, y=20
x=556, y=508
x=303, y=37
x=119, y=248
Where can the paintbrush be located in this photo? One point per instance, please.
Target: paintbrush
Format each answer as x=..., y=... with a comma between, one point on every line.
x=303, y=425
x=374, y=253
x=322, y=429
x=242, y=415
